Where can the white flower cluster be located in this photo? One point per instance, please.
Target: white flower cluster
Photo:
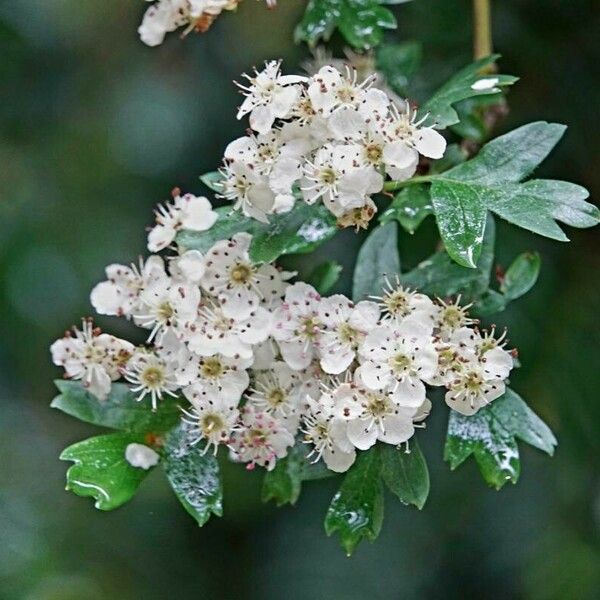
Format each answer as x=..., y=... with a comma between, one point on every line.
x=262, y=360
x=164, y=16
x=327, y=136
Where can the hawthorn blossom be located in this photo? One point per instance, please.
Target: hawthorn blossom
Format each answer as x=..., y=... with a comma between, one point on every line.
x=260, y=439
x=91, y=356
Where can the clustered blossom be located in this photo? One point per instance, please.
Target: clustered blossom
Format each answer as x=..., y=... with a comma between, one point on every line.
x=262, y=362
x=326, y=138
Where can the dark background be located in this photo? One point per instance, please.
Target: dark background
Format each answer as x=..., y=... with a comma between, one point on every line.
x=95, y=129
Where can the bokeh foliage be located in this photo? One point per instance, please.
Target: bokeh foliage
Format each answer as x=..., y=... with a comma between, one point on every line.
x=96, y=128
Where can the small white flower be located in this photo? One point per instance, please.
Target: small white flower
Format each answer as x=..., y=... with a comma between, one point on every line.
x=269, y=96
x=185, y=212
x=93, y=357
x=119, y=295
x=141, y=456
x=151, y=375
x=345, y=327
x=398, y=358
x=297, y=325
x=212, y=420
x=188, y=268
x=451, y=317
x=260, y=440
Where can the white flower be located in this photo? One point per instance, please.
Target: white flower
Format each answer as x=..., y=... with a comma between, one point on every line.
x=212, y=420
x=185, y=212
x=93, y=357
x=167, y=305
x=260, y=440
x=451, y=317
x=328, y=435
x=215, y=333
x=297, y=325
x=346, y=325
x=232, y=277
x=119, y=295
x=151, y=375
x=215, y=377
x=188, y=268
x=398, y=358
x=269, y=96
x=372, y=415
x=272, y=284
x=141, y=456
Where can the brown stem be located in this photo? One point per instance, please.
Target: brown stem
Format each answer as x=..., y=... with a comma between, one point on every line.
x=482, y=29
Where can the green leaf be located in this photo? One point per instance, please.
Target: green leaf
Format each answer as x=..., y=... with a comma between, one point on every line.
x=120, y=410
x=299, y=231
x=193, y=475
x=490, y=436
x=405, y=474
x=453, y=156
x=409, y=207
x=101, y=470
x=325, y=276
x=377, y=258
x=212, y=180
x=460, y=213
x=356, y=511
x=398, y=63
x=439, y=108
x=490, y=303
x=284, y=483
x=521, y=276
x=440, y=276
x=361, y=22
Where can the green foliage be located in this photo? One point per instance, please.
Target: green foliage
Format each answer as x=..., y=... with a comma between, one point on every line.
x=361, y=22
x=439, y=108
x=101, y=470
x=284, y=483
x=521, y=276
x=398, y=63
x=462, y=195
x=212, y=181
x=193, y=475
x=409, y=207
x=405, y=473
x=490, y=436
x=120, y=410
x=377, y=257
x=301, y=230
x=356, y=511
x=325, y=276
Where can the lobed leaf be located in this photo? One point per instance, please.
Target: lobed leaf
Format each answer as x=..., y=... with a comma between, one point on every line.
x=193, y=475
x=377, y=258
x=490, y=436
x=101, y=470
x=120, y=410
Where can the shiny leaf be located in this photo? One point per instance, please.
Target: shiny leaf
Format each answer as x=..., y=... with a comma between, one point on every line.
x=356, y=511
x=193, y=475
x=439, y=108
x=409, y=207
x=101, y=470
x=377, y=258
x=521, y=276
x=405, y=473
x=325, y=276
x=120, y=410
x=490, y=436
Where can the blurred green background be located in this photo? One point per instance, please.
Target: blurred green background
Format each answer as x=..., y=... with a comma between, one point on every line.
x=95, y=129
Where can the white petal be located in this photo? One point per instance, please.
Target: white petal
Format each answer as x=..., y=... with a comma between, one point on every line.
x=430, y=143
x=360, y=435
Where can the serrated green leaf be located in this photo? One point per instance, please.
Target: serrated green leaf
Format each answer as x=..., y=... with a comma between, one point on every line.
x=356, y=511
x=439, y=108
x=101, y=470
x=299, y=231
x=377, y=258
x=521, y=276
x=325, y=276
x=193, y=475
x=212, y=180
x=409, y=207
x=440, y=276
x=405, y=473
x=361, y=22
x=490, y=436
x=120, y=410
x=398, y=63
